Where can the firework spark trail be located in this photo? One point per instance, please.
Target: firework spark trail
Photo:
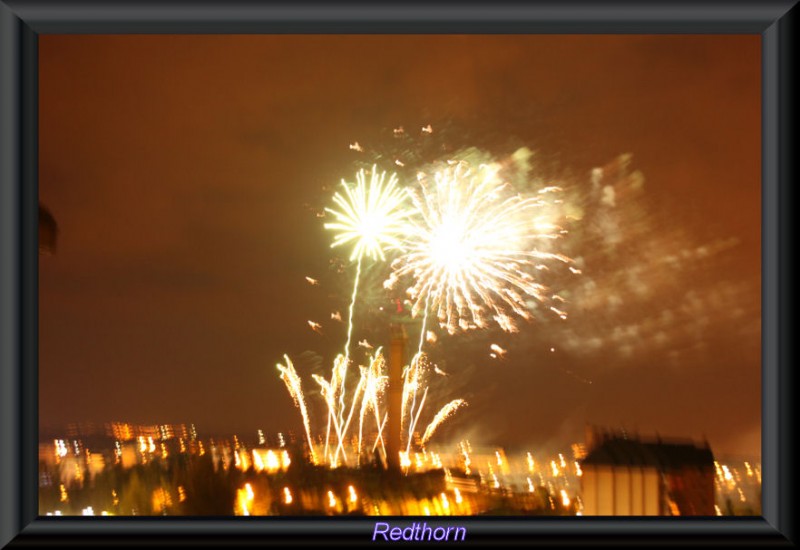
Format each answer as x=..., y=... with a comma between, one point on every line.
x=368, y=388
x=470, y=248
x=360, y=388
x=379, y=439
x=443, y=414
x=292, y=380
x=349, y=335
x=424, y=327
x=330, y=390
x=411, y=389
x=411, y=386
x=329, y=394
x=416, y=419
x=411, y=381
x=332, y=385
x=374, y=386
x=365, y=404
x=378, y=386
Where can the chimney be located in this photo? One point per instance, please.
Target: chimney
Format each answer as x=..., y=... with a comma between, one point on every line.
x=397, y=360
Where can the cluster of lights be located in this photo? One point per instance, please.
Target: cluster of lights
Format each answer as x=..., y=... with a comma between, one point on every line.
x=265, y=460
x=732, y=480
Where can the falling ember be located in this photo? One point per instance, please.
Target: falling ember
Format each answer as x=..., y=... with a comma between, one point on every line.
x=440, y=417
x=356, y=147
x=550, y=189
x=498, y=350
x=364, y=344
x=558, y=312
x=470, y=249
x=316, y=327
x=312, y=281
x=287, y=495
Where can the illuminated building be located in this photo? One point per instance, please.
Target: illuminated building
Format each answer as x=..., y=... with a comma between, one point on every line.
x=624, y=477
x=129, y=456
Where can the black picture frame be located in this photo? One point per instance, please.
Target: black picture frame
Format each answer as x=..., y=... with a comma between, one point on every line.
x=22, y=21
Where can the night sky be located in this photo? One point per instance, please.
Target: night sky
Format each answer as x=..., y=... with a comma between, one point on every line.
x=186, y=174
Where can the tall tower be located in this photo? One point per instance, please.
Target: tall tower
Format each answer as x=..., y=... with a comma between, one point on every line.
x=397, y=360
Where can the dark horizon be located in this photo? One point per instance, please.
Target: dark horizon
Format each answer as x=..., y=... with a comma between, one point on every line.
x=185, y=174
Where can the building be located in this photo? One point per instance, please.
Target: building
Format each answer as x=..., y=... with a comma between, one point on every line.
x=624, y=476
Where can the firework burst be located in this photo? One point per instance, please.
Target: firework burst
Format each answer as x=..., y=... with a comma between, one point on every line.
x=372, y=215
x=471, y=248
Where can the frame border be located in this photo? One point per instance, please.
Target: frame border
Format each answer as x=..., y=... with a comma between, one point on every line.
x=21, y=21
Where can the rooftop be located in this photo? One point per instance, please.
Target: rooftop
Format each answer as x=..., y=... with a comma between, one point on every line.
x=664, y=455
